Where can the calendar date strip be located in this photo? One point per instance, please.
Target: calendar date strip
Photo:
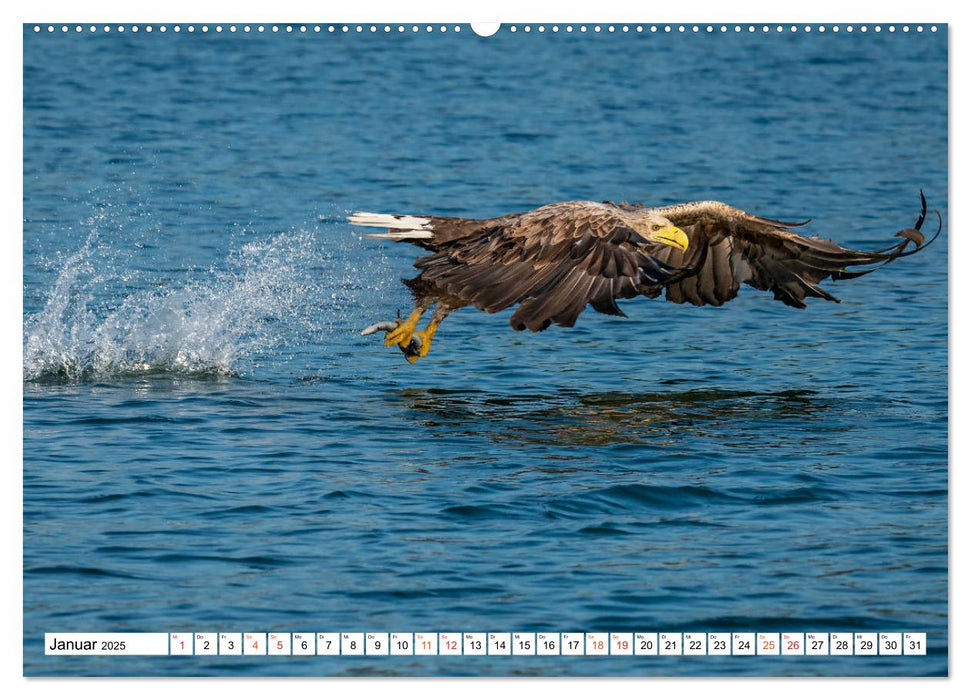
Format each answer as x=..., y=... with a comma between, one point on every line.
x=486, y=644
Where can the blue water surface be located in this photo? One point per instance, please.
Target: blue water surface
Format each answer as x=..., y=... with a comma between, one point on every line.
x=209, y=444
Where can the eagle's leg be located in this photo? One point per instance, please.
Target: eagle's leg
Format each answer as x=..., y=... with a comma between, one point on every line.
x=424, y=337
x=401, y=336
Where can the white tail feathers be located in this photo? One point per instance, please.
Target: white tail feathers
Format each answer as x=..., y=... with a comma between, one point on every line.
x=406, y=227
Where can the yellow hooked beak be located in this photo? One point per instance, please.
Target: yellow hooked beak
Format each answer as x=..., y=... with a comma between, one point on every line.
x=672, y=236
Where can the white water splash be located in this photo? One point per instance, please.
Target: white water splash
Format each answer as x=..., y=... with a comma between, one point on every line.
x=267, y=290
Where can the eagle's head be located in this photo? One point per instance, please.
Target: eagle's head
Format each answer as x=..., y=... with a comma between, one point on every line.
x=657, y=229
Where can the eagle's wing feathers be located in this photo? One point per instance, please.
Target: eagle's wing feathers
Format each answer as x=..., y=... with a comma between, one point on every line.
x=552, y=262
x=729, y=247
x=555, y=260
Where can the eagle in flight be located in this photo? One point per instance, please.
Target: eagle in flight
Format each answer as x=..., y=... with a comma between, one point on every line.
x=554, y=261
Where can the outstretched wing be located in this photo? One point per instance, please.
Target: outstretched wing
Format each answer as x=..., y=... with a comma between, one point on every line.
x=552, y=261
x=729, y=247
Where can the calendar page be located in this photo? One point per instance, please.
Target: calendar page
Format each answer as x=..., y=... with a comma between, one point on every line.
x=545, y=349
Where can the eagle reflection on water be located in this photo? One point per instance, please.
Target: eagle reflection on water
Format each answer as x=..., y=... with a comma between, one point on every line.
x=568, y=418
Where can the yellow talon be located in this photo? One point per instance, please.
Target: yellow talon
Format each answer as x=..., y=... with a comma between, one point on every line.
x=425, y=337
x=424, y=343
x=401, y=336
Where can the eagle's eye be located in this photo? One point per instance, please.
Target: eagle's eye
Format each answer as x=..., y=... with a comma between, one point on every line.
x=656, y=227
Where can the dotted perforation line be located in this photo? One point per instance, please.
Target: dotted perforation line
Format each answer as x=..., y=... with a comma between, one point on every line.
x=249, y=28
x=721, y=28
x=442, y=29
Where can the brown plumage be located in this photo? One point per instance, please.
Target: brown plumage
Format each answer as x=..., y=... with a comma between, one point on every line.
x=553, y=261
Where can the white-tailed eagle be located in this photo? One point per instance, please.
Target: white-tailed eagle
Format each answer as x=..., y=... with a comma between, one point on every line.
x=553, y=261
